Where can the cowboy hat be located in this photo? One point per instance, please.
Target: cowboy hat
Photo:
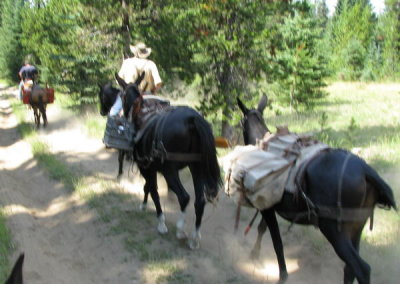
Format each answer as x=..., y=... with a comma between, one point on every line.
x=140, y=50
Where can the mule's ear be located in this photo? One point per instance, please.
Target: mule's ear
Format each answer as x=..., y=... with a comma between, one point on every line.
x=242, y=107
x=262, y=104
x=120, y=81
x=16, y=274
x=139, y=79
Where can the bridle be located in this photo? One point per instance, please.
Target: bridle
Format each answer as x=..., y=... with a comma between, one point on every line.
x=261, y=124
x=134, y=110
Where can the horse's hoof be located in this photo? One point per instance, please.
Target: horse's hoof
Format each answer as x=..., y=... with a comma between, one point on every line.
x=143, y=207
x=180, y=234
x=194, y=244
x=282, y=278
x=255, y=255
x=162, y=229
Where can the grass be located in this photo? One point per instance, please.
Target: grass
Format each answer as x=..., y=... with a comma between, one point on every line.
x=364, y=116
x=5, y=248
x=114, y=207
x=353, y=115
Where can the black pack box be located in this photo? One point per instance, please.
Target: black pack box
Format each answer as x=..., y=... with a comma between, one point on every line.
x=119, y=133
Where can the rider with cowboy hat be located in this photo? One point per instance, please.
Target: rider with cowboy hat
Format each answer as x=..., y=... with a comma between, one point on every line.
x=133, y=67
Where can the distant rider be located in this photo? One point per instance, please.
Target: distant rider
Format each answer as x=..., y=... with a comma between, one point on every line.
x=28, y=74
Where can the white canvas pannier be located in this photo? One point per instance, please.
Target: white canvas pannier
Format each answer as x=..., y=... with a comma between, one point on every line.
x=254, y=177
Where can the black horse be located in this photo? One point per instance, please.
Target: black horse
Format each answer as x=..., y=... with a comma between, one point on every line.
x=172, y=140
x=334, y=181
x=107, y=96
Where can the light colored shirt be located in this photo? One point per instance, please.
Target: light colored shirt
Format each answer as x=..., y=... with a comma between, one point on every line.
x=117, y=107
x=133, y=67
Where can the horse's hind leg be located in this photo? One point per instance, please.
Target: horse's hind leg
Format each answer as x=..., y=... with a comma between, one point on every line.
x=171, y=176
x=36, y=116
x=347, y=249
x=199, y=204
x=348, y=272
x=121, y=155
x=150, y=186
x=44, y=115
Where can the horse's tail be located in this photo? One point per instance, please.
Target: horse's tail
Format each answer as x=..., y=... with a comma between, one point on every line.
x=385, y=193
x=209, y=161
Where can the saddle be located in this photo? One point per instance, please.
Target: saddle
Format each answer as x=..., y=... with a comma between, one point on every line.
x=151, y=106
x=123, y=134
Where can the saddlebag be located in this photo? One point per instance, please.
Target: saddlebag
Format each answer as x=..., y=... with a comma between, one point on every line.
x=27, y=92
x=119, y=133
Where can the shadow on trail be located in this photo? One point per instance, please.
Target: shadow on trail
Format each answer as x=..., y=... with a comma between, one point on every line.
x=10, y=136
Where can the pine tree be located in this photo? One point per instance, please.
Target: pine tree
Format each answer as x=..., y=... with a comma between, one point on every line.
x=352, y=24
x=300, y=65
x=12, y=53
x=389, y=36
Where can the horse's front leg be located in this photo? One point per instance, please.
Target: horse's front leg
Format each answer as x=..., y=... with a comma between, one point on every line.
x=270, y=219
x=150, y=186
x=121, y=155
x=44, y=115
x=261, y=229
x=36, y=116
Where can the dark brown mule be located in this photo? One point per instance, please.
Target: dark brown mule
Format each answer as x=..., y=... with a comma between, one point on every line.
x=335, y=181
x=38, y=102
x=170, y=141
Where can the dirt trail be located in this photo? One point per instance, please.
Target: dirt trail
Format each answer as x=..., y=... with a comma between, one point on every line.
x=65, y=243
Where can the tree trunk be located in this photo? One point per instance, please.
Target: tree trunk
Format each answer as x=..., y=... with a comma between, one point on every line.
x=126, y=35
x=226, y=128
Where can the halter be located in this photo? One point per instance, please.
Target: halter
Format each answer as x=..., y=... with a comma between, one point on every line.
x=137, y=103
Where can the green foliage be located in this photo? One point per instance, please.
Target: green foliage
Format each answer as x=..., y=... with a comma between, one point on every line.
x=301, y=68
x=225, y=48
x=12, y=52
x=353, y=55
x=388, y=34
x=73, y=53
x=351, y=29
x=5, y=248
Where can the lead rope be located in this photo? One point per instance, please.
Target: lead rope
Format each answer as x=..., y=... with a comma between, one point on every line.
x=239, y=207
x=246, y=231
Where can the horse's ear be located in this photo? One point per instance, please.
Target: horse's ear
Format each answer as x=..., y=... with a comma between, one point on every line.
x=242, y=107
x=16, y=274
x=120, y=81
x=262, y=104
x=139, y=79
